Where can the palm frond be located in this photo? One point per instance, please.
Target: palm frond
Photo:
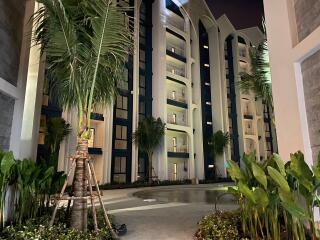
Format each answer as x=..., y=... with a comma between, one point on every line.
x=218, y=141
x=87, y=44
x=149, y=134
x=258, y=80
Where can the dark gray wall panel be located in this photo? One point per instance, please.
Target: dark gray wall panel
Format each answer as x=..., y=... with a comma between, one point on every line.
x=307, y=16
x=6, y=115
x=311, y=83
x=11, y=30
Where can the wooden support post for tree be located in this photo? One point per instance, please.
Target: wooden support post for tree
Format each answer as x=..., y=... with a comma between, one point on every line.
x=91, y=176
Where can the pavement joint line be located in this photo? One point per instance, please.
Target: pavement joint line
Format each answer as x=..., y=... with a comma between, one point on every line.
x=148, y=207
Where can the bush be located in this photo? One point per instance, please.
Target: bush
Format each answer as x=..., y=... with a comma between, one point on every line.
x=139, y=184
x=60, y=231
x=39, y=229
x=220, y=225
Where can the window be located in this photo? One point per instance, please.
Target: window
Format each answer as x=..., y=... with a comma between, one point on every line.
x=173, y=95
x=121, y=137
x=174, y=144
x=174, y=118
x=120, y=169
x=122, y=107
x=175, y=171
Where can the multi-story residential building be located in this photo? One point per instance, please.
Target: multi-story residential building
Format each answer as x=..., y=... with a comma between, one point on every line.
x=184, y=69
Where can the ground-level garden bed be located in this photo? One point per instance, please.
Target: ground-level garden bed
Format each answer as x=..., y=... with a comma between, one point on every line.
x=277, y=201
x=38, y=229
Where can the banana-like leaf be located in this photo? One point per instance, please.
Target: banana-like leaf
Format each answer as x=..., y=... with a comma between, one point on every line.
x=234, y=190
x=292, y=206
x=235, y=171
x=261, y=197
x=301, y=171
x=278, y=179
x=260, y=175
x=245, y=190
x=316, y=169
x=279, y=163
x=6, y=163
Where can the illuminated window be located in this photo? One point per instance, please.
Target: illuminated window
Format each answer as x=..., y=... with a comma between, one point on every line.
x=173, y=95
x=174, y=118
x=175, y=171
x=174, y=144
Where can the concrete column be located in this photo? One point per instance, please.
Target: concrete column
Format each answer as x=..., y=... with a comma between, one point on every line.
x=32, y=106
x=160, y=159
x=135, y=110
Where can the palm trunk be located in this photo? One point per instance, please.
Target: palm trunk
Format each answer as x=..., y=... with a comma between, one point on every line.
x=150, y=167
x=79, y=208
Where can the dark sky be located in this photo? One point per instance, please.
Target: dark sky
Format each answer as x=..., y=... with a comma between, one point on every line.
x=242, y=13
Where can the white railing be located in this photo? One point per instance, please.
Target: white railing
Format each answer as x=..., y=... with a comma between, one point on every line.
x=177, y=97
x=178, y=149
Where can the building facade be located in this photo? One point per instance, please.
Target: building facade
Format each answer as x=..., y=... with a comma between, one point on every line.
x=184, y=69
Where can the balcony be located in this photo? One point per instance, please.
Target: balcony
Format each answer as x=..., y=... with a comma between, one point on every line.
x=176, y=70
x=178, y=152
x=176, y=119
x=175, y=20
x=176, y=52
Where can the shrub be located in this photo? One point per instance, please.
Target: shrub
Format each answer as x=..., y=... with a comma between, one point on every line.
x=39, y=229
x=220, y=225
x=139, y=184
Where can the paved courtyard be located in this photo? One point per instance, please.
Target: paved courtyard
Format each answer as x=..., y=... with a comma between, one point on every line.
x=170, y=212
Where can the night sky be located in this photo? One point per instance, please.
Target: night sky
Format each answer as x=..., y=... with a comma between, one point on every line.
x=242, y=13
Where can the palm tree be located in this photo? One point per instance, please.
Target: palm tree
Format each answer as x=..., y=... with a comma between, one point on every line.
x=258, y=80
x=217, y=143
x=147, y=137
x=86, y=44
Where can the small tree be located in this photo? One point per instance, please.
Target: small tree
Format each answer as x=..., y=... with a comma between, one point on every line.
x=258, y=80
x=147, y=137
x=86, y=44
x=217, y=143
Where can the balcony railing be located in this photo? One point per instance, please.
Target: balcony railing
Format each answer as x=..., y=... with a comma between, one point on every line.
x=177, y=121
x=175, y=70
x=175, y=49
x=176, y=22
x=177, y=97
x=178, y=149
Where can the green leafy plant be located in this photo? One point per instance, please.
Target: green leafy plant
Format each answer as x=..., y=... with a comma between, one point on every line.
x=218, y=142
x=38, y=228
x=258, y=79
x=32, y=186
x=220, y=225
x=148, y=136
x=276, y=199
x=86, y=44
x=7, y=163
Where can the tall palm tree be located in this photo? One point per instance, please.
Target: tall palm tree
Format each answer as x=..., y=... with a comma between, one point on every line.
x=86, y=44
x=258, y=80
x=147, y=137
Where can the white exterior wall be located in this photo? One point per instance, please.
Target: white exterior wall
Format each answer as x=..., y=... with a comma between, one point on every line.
x=286, y=56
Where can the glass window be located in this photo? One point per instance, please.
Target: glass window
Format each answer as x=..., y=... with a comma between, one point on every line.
x=122, y=107
x=174, y=144
x=121, y=137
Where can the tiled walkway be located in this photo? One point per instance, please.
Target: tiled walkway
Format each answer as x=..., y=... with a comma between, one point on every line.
x=161, y=218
